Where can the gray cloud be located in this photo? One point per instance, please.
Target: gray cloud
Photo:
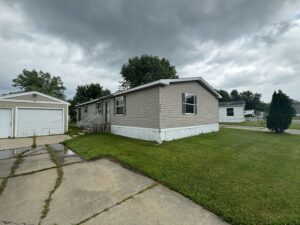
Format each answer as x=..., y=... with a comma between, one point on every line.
x=230, y=42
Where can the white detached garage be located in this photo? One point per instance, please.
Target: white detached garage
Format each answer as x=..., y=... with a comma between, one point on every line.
x=32, y=113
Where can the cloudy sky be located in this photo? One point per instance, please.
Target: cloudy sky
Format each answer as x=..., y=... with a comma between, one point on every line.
x=234, y=44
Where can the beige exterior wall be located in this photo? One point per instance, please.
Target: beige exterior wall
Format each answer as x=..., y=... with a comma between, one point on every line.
x=142, y=109
x=160, y=107
x=92, y=111
x=171, y=106
x=14, y=105
x=31, y=98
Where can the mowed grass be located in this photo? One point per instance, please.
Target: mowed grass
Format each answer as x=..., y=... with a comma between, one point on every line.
x=246, y=177
x=73, y=129
x=295, y=125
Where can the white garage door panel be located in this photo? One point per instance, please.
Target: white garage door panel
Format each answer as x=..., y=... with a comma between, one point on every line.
x=39, y=122
x=5, y=123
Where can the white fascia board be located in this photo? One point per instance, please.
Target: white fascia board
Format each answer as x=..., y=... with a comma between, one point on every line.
x=30, y=93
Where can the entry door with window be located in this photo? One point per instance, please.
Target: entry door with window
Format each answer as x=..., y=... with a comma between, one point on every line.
x=5, y=123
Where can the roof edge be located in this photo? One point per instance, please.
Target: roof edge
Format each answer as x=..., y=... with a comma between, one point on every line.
x=32, y=92
x=163, y=82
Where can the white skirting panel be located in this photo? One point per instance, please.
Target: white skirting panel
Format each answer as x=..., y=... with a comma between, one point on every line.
x=151, y=134
x=181, y=132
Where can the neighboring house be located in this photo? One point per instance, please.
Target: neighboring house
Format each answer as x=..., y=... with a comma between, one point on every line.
x=232, y=112
x=159, y=111
x=297, y=108
x=250, y=112
x=32, y=113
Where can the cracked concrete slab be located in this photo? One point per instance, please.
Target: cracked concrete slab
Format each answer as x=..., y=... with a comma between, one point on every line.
x=23, y=198
x=5, y=166
x=34, y=163
x=89, y=188
x=158, y=205
x=72, y=159
x=38, y=150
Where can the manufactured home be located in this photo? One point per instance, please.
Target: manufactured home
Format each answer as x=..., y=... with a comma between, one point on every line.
x=232, y=112
x=159, y=111
x=32, y=113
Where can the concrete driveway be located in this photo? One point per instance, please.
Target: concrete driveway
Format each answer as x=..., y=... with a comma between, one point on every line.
x=12, y=143
x=55, y=186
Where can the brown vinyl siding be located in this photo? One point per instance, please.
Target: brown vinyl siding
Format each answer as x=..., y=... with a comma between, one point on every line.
x=171, y=106
x=142, y=109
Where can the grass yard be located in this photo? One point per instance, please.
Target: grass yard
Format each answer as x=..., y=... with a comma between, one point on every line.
x=246, y=177
x=295, y=125
x=73, y=129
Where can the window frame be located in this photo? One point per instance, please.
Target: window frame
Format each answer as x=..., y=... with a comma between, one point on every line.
x=184, y=104
x=119, y=106
x=227, y=113
x=100, y=109
x=86, y=109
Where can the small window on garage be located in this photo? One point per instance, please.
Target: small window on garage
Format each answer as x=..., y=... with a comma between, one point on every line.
x=230, y=112
x=189, y=103
x=100, y=108
x=86, y=108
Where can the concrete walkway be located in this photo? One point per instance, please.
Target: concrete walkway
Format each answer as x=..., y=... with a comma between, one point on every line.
x=58, y=187
x=27, y=142
x=289, y=131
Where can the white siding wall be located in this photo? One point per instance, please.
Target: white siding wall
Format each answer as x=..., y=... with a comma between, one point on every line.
x=237, y=118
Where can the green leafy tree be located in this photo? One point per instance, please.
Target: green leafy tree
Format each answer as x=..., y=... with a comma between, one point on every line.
x=72, y=110
x=225, y=96
x=145, y=69
x=281, y=112
x=235, y=96
x=40, y=81
x=88, y=92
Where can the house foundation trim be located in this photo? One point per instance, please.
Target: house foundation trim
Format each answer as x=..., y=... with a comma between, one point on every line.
x=160, y=135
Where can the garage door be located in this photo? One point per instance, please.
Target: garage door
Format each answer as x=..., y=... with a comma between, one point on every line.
x=5, y=123
x=39, y=122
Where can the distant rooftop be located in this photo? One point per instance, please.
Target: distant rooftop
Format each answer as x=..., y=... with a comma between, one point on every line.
x=236, y=103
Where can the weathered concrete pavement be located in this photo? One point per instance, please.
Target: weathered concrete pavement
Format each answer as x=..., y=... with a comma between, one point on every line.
x=96, y=192
x=27, y=142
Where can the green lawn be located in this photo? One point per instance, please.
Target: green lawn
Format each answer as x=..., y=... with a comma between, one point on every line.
x=294, y=125
x=246, y=177
x=73, y=129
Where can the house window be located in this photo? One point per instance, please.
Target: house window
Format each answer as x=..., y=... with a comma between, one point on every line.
x=120, y=105
x=189, y=103
x=100, y=108
x=79, y=114
x=85, y=108
x=230, y=112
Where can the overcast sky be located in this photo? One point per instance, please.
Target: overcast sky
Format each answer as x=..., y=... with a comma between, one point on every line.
x=233, y=44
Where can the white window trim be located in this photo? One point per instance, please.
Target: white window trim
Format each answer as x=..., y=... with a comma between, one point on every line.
x=102, y=108
x=195, y=104
x=116, y=111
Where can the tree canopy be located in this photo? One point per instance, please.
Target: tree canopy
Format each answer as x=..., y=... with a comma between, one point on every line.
x=40, y=81
x=281, y=112
x=88, y=92
x=253, y=100
x=145, y=69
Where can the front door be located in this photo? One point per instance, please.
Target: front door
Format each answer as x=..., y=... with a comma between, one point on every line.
x=107, y=112
x=5, y=123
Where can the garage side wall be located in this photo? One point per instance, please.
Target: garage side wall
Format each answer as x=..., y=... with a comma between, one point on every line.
x=15, y=105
